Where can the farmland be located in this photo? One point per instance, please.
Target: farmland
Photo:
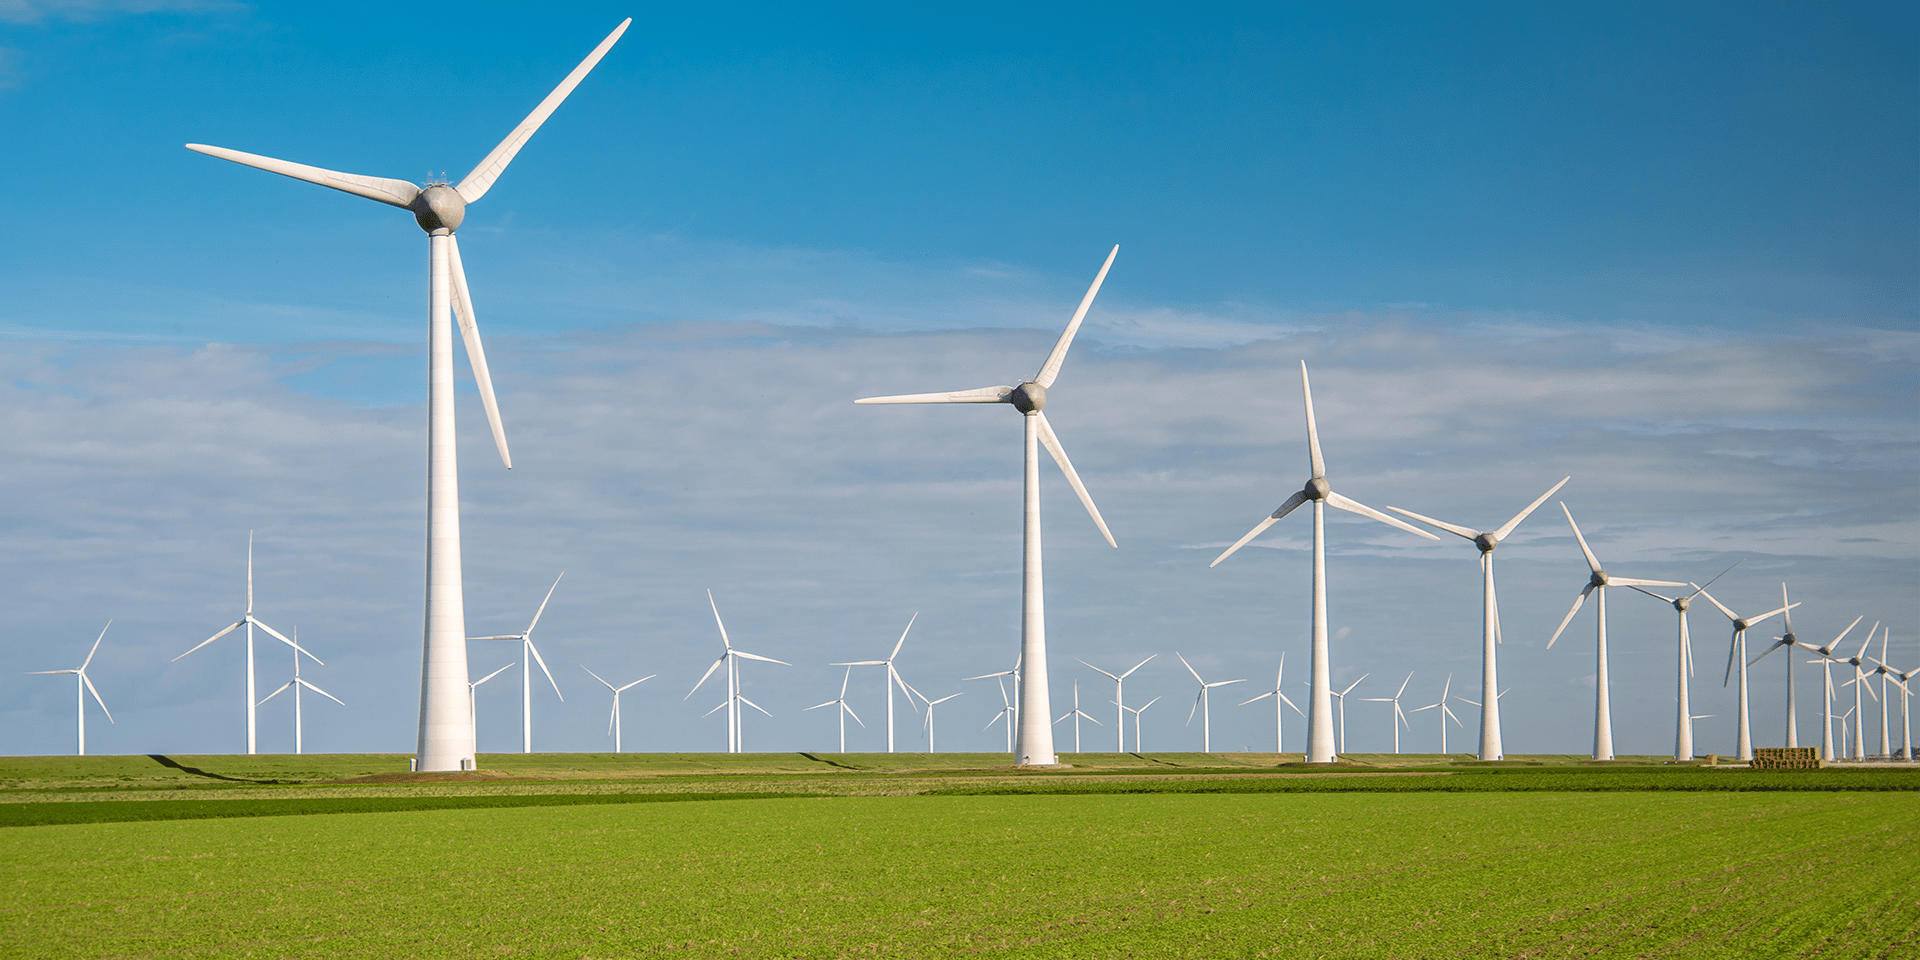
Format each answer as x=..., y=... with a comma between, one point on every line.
x=805, y=856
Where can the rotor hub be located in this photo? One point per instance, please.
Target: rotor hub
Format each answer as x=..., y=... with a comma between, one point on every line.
x=1028, y=397
x=1486, y=542
x=1316, y=489
x=1682, y=604
x=1739, y=625
x=439, y=208
x=1599, y=578
x=1789, y=640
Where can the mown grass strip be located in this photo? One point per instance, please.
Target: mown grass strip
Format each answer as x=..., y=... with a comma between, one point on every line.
x=52, y=814
x=1489, y=781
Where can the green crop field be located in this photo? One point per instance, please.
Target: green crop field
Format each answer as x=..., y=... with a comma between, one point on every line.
x=832, y=856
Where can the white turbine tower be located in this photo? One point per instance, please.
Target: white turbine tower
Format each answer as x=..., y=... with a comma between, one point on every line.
x=1598, y=583
x=1445, y=714
x=891, y=679
x=1120, y=715
x=1137, y=711
x=1400, y=716
x=1826, y=669
x=1683, y=722
x=1202, y=703
x=295, y=684
x=1320, y=725
x=730, y=658
x=249, y=621
x=928, y=723
x=1035, y=746
x=1737, y=653
x=446, y=734
x=81, y=687
x=1279, y=741
x=1787, y=641
x=1859, y=684
x=1077, y=714
x=1341, y=696
x=530, y=655
x=1887, y=675
x=1490, y=744
x=613, y=721
x=472, y=687
x=844, y=711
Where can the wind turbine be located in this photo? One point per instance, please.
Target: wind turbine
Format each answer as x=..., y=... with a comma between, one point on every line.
x=1279, y=698
x=1035, y=746
x=1899, y=680
x=929, y=721
x=446, y=732
x=1683, y=724
x=1120, y=715
x=1900, y=683
x=530, y=655
x=1341, y=695
x=1320, y=726
x=1826, y=670
x=1445, y=714
x=249, y=621
x=1400, y=717
x=731, y=658
x=296, y=683
x=1859, y=684
x=1737, y=653
x=892, y=678
x=1013, y=706
x=1137, y=711
x=1201, y=703
x=613, y=722
x=1490, y=744
x=1787, y=641
x=1007, y=708
x=474, y=685
x=81, y=687
x=1598, y=583
x=1076, y=713
x=845, y=711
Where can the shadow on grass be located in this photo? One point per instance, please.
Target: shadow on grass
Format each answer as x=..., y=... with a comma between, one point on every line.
x=196, y=771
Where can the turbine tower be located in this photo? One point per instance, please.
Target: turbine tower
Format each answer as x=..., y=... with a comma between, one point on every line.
x=892, y=679
x=1120, y=702
x=250, y=622
x=928, y=723
x=446, y=732
x=1859, y=684
x=1320, y=726
x=1737, y=653
x=1445, y=714
x=1683, y=725
x=1787, y=641
x=1341, y=696
x=295, y=684
x=613, y=722
x=1202, y=703
x=1400, y=716
x=473, y=686
x=1035, y=745
x=1076, y=713
x=1490, y=745
x=530, y=655
x=1598, y=582
x=1279, y=675
x=1826, y=669
x=83, y=686
x=730, y=658
x=1137, y=711
x=846, y=711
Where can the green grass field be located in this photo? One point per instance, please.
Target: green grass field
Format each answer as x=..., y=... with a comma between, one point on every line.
x=578, y=856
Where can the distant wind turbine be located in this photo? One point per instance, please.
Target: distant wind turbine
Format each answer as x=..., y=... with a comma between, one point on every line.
x=1035, y=746
x=295, y=684
x=1859, y=684
x=1490, y=744
x=1826, y=661
x=1887, y=675
x=891, y=679
x=249, y=621
x=1077, y=714
x=1203, y=704
x=1445, y=714
x=1399, y=716
x=844, y=711
x=730, y=658
x=1320, y=725
x=1120, y=716
x=1788, y=641
x=445, y=733
x=1737, y=654
x=81, y=687
x=928, y=722
x=530, y=655
x=473, y=686
x=613, y=721
x=1007, y=708
x=1341, y=696
x=1137, y=711
x=1279, y=741
x=1598, y=583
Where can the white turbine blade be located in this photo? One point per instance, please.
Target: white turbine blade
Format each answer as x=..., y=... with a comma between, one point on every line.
x=39, y=673
x=596, y=676
x=476, y=183
x=716, y=619
x=1354, y=506
x=399, y=193
x=277, y=635
x=1506, y=528
x=856, y=717
x=1592, y=561
x=1450, y=528
x=1190, y=710
x=543, y=669
x=1577, y=601
x=903, y=637
x=275, y=693
x=1493, y=600
x=1290, y=703
x=1789, y=606
x=1190, y=669
x=1356, y=683
x=979, y=395
x=1222, y=683
x=1771, y=613
x=302, y=681
x=1149, y=704
x=866, y=663
x=244, y=623
x=715, y=710
x=1702, y=588
x=1763, y=654
x=1830, y=646
x=1403, y=685
x=96, y=696
x=704, y=676
x=1630, y=582
x=756, y=706
x=1314, y=460
x=1051, y=369
x=476, y=354
x=517, y=636
x=1448, y=712
x=1002, y=715
x=984, y=676
x=1052, y=442
x=1649, y=593
x=1259, y=698
x=84, y=664
x=1465, y=700
x=1102, y=672
x=1429, y=706
x=817, y=706
x=496, y=673
x=1283, y=660
x=1299, y=497
x=543, y=605
x=755, y=656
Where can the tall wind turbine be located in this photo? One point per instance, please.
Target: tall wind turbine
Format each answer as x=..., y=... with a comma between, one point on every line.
x=295, y=684
x=613, y=722
x=249, y=621
x=1887, y=675
x=1400, y=716
x=1320, y=726
x=1826, y=669
x=928, y=723
x=1859, y=684
x=1202, y=703
x=473, y=687
x=83, y=686
x=530, y=655
x=1737, y=653
x=1120, y=702
x=1598, y=583
x=844, y=711
x=1279, y=742
x=1077, y=714
x=1683, y=724
x=891, y=679
x=1445, y=714
x=730, y=658
x=1490, y=745
x=446, y=732
x=1787, y=641
x=1035, y=746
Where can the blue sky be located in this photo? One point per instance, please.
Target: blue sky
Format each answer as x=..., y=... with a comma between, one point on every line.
x=1668, y=249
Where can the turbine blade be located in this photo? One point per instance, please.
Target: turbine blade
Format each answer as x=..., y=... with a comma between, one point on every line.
x=1299, y=497
x=856, y=717
x=1506, y=528
x=399, y=193
x=1629, y=582
x=755, y=656
x=1354, y=506
x=1721, y=606
x=96, y=697
x=1283, y=660
x=496, y=673
x=275, y=693
x=1290, y=703
x=244, y=623
x=1051, y=369
x=543, y=606
x=716, y=619
x=596, y=676
x=1582, y=598
x=979, y=395
x=476, y=183
x=1102, y=672
x=1593, y=562
x=277, y=635
x=1733, y=647
x=1190, y=669
x=1259, y=698
x=1649, y=593
x=817, y=706
x=1317, y=463
x=1448, y=527
x=84, y=664
x=1052, y=443
x=319, y=691
x=1763, y=653
x=476, y=354
x=704, y=676
x=756, y=706
x=1716, y=577
x=903, y=637
x=543, y=669
x=1771, y=613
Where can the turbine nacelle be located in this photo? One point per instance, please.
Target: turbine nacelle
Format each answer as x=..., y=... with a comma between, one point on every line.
x=1316, y=489
x=1681, y=604
x=439, y=208
x=1028, y=397
x=1486, y=542
x=1599, y=579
